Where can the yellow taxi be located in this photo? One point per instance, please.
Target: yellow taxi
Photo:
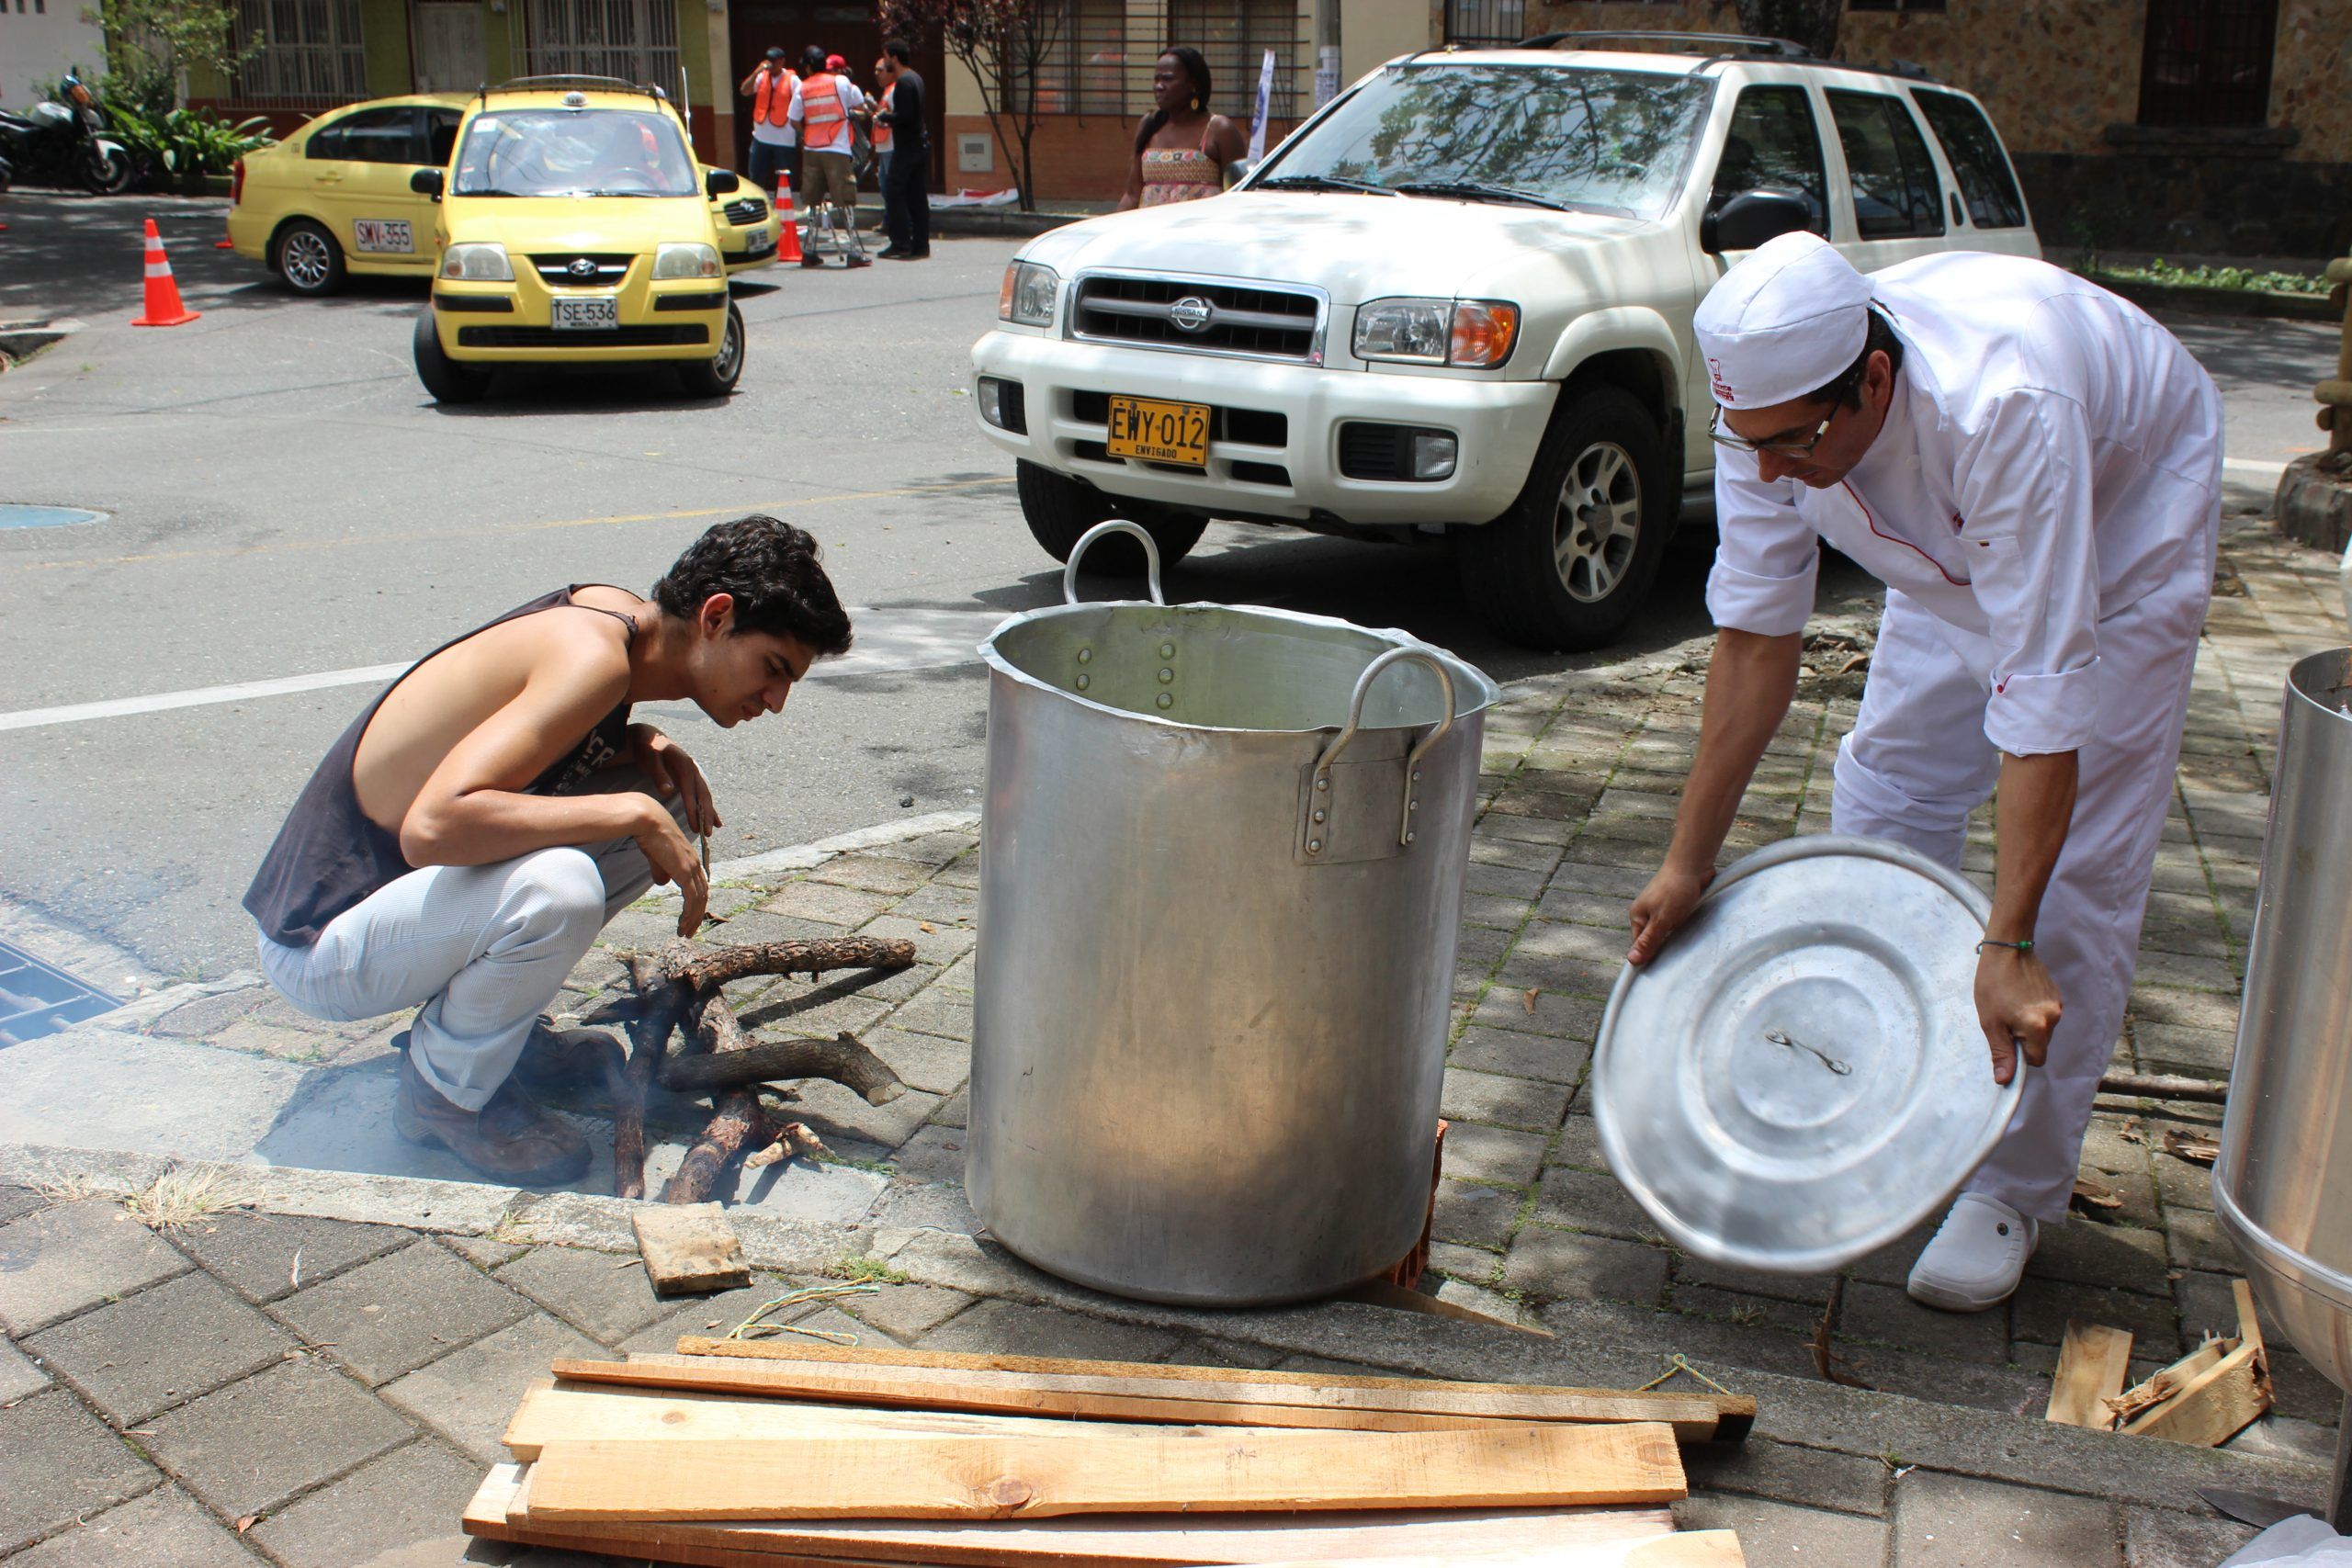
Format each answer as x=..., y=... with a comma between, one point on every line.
x=334, y=198
x=573, y=227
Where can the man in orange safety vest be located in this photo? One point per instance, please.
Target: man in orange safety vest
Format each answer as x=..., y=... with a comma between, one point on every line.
x=775, y=140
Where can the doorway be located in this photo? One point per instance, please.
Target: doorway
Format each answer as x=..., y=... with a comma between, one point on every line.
x=450, y=53
x=851, y=31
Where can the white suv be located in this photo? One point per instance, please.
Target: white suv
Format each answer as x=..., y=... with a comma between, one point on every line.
x=1457, y=303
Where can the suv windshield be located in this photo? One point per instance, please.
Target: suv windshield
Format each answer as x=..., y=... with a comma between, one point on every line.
x=562, y=152
x=1611, y=141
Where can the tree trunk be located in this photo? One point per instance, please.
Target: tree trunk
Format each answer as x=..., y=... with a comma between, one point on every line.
x=1812, y=23
x=842, y=1059
x=738, y=1122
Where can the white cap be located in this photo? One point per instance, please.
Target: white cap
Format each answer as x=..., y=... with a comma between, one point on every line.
x=1788, y=318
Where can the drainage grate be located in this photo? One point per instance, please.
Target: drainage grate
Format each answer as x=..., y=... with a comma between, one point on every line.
x=37, y=998
x=14, y=515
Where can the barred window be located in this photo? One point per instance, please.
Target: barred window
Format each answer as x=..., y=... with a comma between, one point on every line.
x=635, y=40
x=311, y=53
x=1492, y=24
x=1233, y=37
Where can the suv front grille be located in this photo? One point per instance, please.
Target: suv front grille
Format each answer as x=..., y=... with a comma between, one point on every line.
x=746, y=212
x=557, y=270
x=1271, y=322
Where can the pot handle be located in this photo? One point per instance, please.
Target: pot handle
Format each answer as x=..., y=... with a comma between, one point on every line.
x=1116, y=525
x=1372, y=672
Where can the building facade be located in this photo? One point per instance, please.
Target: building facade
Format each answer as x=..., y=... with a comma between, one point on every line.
x=39, y=41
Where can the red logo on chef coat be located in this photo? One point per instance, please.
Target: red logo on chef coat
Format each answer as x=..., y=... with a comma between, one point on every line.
x=1722, y=388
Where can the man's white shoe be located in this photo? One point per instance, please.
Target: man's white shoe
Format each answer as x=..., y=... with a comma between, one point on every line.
x=1977, y=1258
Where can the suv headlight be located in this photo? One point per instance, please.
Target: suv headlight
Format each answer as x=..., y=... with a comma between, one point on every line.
x=1027, y=297
x=688, y=259
x=1474, y=333
x=477, y=263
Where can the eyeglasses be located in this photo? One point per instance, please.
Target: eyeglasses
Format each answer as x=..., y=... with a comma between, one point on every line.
x=1837, y=392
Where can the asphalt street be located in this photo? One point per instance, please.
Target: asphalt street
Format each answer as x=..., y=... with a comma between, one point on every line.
x=282, y=501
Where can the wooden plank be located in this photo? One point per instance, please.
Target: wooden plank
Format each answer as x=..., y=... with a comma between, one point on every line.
x=961, y=1477
x=1392, y=1540
x=576, y=1412
x=2222, y=1401
x=1192, y=1396
x=2138, y=1400
x=688, y=1248
x=2093, y=1362
x=1397, y=1298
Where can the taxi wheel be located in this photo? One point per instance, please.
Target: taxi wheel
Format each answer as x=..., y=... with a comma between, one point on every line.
x=1059, y=509
x=1566, y=567
x=308, y=258
x=448, y=381
x=716, y=376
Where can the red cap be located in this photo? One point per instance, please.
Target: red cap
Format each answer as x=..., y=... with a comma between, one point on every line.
x=835, y=62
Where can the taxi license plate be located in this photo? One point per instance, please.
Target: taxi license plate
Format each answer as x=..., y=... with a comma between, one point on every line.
x=1154, y=432
x=599, y=313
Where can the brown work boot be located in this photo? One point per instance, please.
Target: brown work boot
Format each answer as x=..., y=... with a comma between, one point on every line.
x=557, y=1060
x=509, y=1140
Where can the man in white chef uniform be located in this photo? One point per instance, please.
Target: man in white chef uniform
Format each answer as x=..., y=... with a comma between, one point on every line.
x=2033, y=467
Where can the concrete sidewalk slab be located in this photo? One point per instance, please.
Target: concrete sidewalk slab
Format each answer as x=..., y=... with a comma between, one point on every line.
x=104, y=1088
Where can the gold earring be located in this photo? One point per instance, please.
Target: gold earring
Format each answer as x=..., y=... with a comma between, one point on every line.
x=1196, y=101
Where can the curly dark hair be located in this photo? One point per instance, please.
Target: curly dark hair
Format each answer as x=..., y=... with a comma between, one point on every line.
x=770, y=569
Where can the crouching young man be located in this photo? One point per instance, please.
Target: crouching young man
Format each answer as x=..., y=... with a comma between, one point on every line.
x=469, y=835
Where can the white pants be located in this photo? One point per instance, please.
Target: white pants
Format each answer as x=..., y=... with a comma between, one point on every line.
x=1917, y=763
x=481, y=949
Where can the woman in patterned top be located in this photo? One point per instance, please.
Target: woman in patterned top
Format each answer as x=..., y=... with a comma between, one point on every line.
x=1181, y=150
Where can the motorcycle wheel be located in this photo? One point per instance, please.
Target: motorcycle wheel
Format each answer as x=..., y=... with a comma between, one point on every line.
x=108, y=173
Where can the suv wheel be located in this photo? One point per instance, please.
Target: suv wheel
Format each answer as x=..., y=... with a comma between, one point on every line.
x=448, y=381
x=1059, y=509
x=1564, y=568
x=308, y=258
x=716, y=376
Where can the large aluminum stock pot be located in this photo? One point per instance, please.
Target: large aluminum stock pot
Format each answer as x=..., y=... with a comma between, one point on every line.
x=1221, y=868
x=2282, y=1186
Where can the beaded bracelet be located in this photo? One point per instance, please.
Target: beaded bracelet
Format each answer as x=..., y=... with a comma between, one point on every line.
x=2021, y=947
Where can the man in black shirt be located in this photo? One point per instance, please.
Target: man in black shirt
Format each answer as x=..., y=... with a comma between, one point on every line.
x=906, y=198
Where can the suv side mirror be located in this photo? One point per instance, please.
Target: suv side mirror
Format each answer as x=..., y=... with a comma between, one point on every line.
x=721, y=182
x=426, y=181
x=1752, y=217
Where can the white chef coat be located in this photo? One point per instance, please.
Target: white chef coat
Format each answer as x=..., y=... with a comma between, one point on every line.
x=2048, y=458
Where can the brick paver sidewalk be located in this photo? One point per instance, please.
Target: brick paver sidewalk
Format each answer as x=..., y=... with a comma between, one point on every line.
x=328, y=1363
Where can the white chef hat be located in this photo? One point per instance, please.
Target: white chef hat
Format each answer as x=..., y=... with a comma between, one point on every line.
x=1788, y=318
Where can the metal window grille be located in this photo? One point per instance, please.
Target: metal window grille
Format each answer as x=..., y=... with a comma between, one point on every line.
x=2208, y=61
x=1490, y=24
x=312, y=53
x=1102, y=60
x=1233, y=37
x=1086, y=70
x=38, y=998
x=635, y=40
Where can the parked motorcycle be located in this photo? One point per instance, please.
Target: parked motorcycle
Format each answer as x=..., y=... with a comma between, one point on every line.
x=55, y=144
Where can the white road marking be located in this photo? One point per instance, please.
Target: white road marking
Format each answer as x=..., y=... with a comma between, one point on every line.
x=889, y=641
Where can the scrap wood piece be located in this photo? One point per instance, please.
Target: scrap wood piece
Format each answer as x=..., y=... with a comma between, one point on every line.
x=1826, y=1361
x=709, y=968
x=2203, y=1147
x=2135, y=1401
x=689, y=1248
x=2164, y=1086
x=1203, y=1398
x=500, y=1511
x=2091, y=1193
x=844, y=1058
x=2093, y=1362
x=2224, y=1399
x=1396, y=1298
x=911, y=1476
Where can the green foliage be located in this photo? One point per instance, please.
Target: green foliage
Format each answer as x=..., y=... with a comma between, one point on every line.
x=150, y=42
x=186, y=141
x=864, y=1270
x=2164, y=272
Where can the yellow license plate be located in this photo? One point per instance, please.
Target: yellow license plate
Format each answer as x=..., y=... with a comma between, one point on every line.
x=1153, y=432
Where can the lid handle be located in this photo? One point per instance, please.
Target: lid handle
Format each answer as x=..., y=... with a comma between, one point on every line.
x=1115, y=525
x=1372, y=672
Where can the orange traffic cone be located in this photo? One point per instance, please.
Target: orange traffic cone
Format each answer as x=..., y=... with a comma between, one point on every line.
x=164, y=307
x=787, y=239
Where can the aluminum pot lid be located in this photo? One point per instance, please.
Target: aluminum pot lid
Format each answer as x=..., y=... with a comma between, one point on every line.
x=1799, y=1078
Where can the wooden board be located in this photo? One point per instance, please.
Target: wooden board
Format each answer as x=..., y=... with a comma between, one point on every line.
x=2225, y=1398
x=2144, y=1398
x=1200, y=1395
x=577, y=1412
x=911, y=1476
x=688, y=1248
x=1398, y=1298
x=2092, y=1364
x=1392, y=1540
